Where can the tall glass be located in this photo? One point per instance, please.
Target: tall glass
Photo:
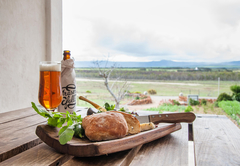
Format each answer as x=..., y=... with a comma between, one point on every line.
x=50, y=91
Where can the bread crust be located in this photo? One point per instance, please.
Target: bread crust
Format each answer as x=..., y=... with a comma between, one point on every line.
x=132, y=122
x=105, y=126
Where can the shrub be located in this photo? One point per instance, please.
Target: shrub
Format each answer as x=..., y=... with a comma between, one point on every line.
x=235, y=88
x=224, y=97
x=193, y=102
x=175, y=102
x=204, y=102
x=137, y=98
x=138, y=92
x=236, y=97
x=236, y=92
x=188, y=109
x=152, y=91
x=88, y=91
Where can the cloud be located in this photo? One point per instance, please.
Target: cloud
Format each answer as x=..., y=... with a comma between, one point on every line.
x=186, y=30
x=135, y=42
x=228, y=13
x=135, y=48
x=218, y=45
x=129, y=40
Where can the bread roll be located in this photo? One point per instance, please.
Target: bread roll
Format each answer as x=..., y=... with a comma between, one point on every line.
x=105, y=126
x=147, y=126
x=132, y=122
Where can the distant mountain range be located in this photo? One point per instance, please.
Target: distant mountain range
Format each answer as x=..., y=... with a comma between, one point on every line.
x=162, y=63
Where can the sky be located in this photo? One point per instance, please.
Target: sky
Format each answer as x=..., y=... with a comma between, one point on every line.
x=152, y=30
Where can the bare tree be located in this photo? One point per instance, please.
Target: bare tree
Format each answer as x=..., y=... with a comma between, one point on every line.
x=119, y=87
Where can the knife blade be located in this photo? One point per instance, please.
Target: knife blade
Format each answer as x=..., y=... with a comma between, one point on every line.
x=187, y=117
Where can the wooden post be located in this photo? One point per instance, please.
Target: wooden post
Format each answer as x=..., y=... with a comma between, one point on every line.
x=218, y=84
x=53, y=34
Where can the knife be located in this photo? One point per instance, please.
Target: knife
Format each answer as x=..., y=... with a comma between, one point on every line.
x=187, y=117
x=93, y=104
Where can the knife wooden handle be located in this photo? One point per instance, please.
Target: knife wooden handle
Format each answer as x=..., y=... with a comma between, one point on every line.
x=93, y=104
x=173, y=117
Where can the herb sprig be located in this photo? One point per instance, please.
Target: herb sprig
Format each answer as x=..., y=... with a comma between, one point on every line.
x=109, y=107
x=58, y=119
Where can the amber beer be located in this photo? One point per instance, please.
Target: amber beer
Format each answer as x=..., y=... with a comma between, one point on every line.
x=50, y=92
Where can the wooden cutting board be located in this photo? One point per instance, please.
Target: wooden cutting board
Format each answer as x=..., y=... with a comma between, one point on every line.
x=86, y=148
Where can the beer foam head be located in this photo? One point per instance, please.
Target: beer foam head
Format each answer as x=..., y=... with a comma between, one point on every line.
x=50, y=67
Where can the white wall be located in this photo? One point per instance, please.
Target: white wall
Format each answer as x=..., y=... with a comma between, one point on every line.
x=24, y=42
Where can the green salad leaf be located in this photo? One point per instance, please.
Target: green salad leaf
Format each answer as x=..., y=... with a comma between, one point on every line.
x=79, y=131
x=61, y=121
x=53, y=122
x=58, y=119
x=41, y=111
x=66, y=134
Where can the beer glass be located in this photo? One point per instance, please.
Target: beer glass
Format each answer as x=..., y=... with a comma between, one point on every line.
x=50, y=91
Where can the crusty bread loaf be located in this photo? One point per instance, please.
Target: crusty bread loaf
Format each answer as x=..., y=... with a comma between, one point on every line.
x=147, y=126
x=132, y=122
x=105, y=126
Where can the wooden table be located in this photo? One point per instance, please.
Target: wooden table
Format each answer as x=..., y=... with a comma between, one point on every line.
x=210, y=140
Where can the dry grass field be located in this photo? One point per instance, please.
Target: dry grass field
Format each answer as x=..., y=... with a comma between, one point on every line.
x=96, y=91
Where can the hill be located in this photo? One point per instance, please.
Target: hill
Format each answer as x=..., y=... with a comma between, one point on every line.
x=162, y=63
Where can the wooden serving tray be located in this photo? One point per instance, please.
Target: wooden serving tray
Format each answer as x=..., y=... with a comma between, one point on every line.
x=86, y=148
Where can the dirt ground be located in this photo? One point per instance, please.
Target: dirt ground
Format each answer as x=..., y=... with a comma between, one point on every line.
x=156, y=100
x=155, y=103
x=209, y=109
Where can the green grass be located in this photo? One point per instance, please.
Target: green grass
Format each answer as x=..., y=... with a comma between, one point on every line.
x=99, y=94
x=232, y=108
x=205, y=89
x=168, y=108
